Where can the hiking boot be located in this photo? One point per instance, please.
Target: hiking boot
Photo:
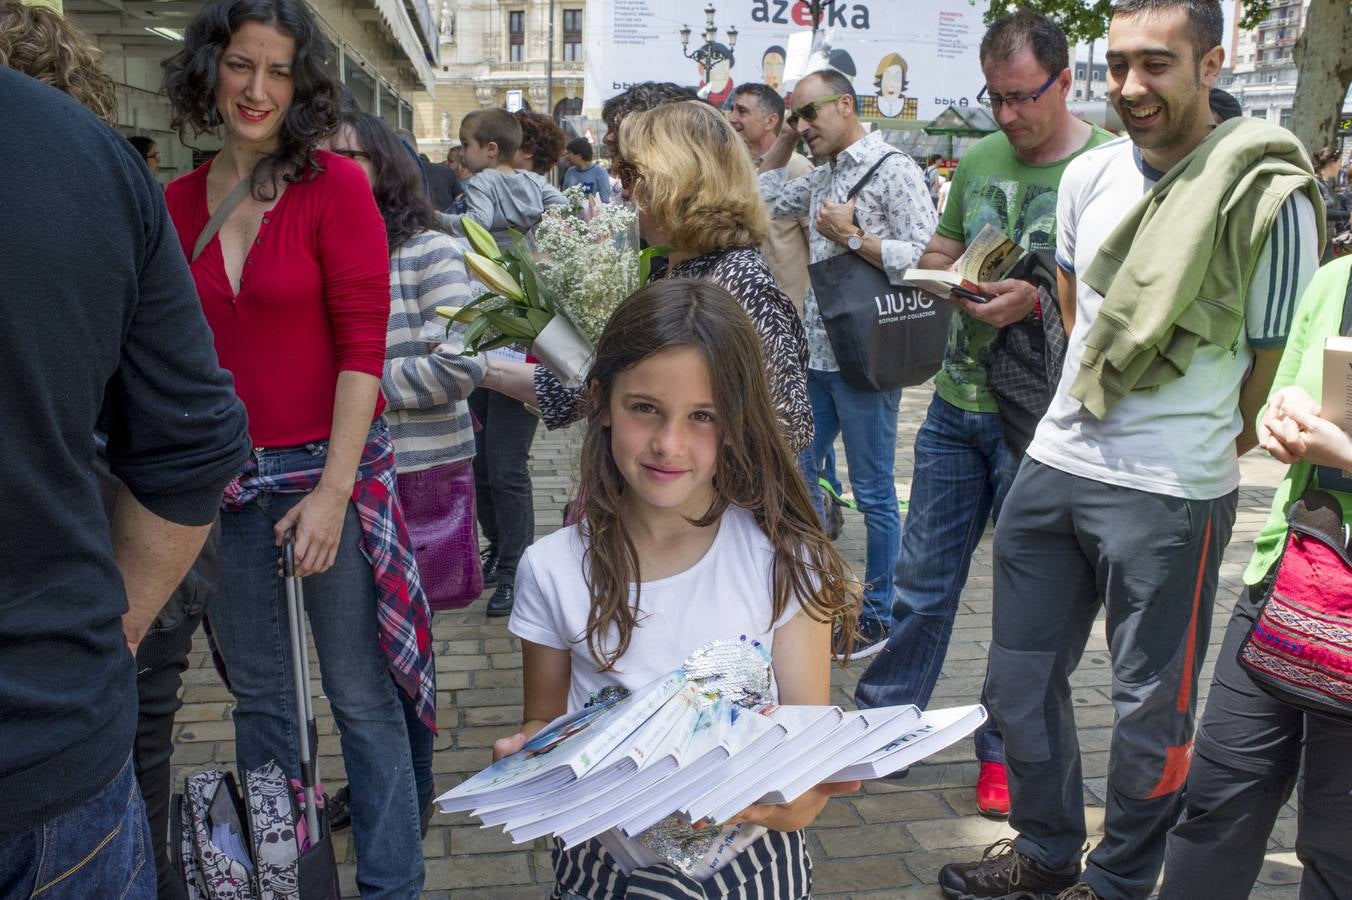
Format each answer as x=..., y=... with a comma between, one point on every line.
x=992, y=791
x=1001, y=872
x=500, y=604
x=488, y=558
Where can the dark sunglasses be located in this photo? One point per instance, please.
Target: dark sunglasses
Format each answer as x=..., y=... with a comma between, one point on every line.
x=808, y=111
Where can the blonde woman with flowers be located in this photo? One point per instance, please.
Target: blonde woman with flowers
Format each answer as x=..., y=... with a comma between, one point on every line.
x=695, y=187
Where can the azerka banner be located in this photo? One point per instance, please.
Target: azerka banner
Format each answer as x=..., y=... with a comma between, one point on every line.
x=909, y=59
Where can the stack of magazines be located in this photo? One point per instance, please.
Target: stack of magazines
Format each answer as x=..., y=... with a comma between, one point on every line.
x=681, y=747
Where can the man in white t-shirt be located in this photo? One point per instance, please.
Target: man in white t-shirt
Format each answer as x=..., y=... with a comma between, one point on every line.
x=1128, y=494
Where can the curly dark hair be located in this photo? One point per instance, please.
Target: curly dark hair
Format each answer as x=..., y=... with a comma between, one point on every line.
x=639, y=98
x=190, y=79
x=542, y=139
x=398, y=183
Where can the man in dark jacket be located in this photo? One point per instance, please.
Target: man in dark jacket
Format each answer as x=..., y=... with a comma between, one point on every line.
x=100, y=329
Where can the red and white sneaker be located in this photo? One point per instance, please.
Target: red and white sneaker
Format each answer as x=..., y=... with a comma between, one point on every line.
x=992, y=791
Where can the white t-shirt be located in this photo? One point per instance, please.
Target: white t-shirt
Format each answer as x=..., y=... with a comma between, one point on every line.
x=727, y=595
x=1176, y=439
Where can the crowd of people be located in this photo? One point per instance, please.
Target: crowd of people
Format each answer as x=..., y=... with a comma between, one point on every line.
x=253, y=358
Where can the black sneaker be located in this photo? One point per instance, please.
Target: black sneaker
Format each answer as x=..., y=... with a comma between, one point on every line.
x=1002, y=871
x=500, y=604
x=870, y=637
x=488, y=559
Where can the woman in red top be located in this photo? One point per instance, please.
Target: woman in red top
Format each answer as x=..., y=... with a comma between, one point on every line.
x=295, y=286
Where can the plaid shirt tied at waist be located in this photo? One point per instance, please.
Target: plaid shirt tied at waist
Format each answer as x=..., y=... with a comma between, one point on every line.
x=401, y=606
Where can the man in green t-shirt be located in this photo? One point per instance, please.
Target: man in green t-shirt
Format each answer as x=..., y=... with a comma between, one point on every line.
x=962, y=465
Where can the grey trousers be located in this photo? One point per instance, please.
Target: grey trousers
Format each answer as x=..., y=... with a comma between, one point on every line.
x=1064, y=547
x=1250, y=747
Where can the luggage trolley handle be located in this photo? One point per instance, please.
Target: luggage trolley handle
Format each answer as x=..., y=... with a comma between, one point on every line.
x=300, y=668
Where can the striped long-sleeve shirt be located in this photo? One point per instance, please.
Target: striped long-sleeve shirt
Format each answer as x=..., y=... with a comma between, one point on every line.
x=425, y=385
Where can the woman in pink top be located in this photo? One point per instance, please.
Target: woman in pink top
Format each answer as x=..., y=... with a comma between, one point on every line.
x=295, y=286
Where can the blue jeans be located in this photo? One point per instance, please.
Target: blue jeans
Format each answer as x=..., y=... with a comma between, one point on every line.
x=867, y=423
x=962, y=472
x=250, y=627
x=101, y=848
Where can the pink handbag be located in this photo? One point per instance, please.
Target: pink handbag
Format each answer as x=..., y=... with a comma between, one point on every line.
x=438, y=507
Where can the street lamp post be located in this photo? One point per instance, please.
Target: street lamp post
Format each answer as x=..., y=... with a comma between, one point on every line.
x=703, y=54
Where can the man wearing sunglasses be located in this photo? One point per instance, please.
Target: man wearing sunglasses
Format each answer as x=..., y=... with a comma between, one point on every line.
x=963, y=466
x=888, y=224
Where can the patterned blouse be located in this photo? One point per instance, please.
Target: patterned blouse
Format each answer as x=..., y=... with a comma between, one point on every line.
x=742, y=272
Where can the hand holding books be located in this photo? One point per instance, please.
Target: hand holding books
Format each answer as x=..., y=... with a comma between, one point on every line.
x=977, y=283
x=700, y=745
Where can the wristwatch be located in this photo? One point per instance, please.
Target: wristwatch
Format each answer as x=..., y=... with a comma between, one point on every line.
x=856, y=240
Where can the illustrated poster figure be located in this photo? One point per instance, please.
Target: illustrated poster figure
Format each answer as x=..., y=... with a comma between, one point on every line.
x=717, y=60
x=891, y=81
x=772, y=67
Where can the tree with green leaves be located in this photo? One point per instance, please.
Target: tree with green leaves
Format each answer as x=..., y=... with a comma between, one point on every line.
x=1323, y=54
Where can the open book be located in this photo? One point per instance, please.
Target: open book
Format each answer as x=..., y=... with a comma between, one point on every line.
x=988, y=257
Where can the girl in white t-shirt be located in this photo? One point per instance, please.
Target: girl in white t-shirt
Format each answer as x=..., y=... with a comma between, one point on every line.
x=695, y=527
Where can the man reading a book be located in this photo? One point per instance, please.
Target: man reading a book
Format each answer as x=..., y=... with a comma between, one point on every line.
x=1181, y=252
x=1007, y=181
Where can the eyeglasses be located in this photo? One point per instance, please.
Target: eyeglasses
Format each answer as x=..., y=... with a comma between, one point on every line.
x=355, y=155
x=808, y=111
x=995, y=101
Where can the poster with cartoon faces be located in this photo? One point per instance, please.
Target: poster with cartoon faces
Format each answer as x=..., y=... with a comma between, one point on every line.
x=907, y=59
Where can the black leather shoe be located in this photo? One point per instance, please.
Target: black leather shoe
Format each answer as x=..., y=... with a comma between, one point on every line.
x=500, y=604
x=340, y=810
x=488, y=558
x=1004, y=872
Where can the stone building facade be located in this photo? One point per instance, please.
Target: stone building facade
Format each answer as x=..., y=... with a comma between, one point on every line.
x=489, y=48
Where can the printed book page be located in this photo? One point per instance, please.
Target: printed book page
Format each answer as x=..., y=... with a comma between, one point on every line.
x=989, y=257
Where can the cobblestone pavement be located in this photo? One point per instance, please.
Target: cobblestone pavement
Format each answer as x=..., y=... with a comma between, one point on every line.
x=889, y=841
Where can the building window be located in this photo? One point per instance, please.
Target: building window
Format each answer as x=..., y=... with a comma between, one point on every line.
x=1285, y=118
x=572, y=35
x=516, y=35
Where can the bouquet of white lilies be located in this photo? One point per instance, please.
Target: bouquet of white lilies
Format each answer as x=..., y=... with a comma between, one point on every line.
x=555, y=292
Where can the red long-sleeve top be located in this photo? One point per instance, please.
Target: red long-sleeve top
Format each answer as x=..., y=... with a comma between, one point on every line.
x=314, y=298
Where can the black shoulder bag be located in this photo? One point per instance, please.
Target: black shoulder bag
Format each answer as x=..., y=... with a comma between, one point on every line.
x=884, y=337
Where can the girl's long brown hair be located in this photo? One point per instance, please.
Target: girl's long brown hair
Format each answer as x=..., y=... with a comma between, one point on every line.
x=755, y=469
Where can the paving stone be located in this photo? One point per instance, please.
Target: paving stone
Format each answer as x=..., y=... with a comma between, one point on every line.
x=865, y=840
x=484, y=872
x=860, y=873
x=1280, y=868
x=899, y=807
x=940, y=834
